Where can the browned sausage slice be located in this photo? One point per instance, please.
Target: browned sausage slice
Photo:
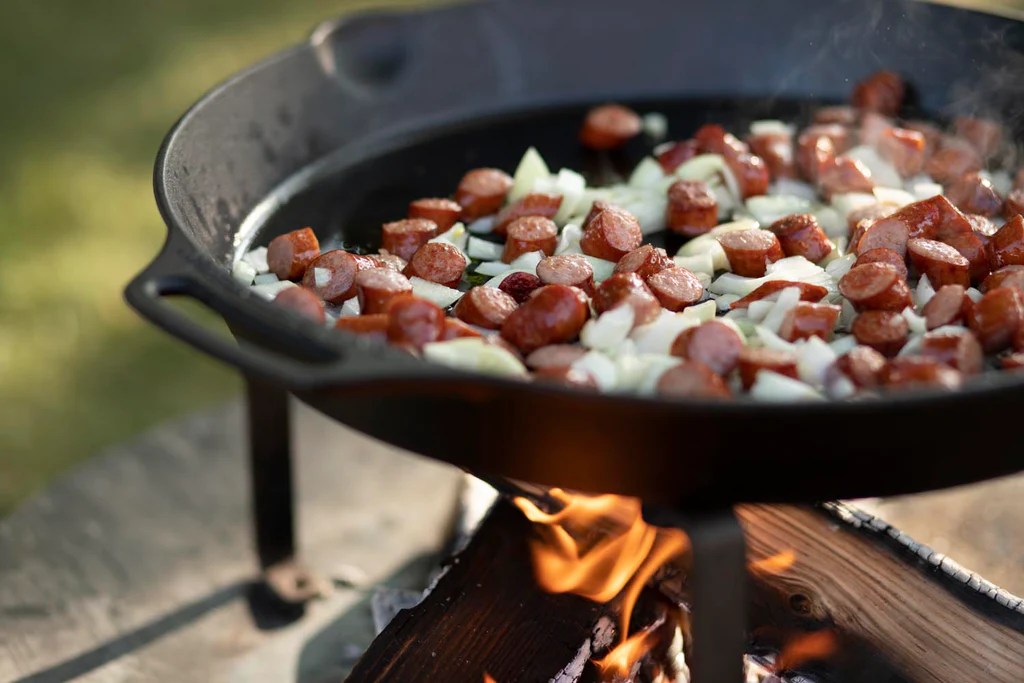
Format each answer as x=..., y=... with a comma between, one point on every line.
x=567, y=269
x=645, y=261
x=482, y=191
x=535, y=204
x=904, y=149
x=376, y=287
x=972, y=193
x=875, y=286
x=571, y=376
x=527, y=234
x=882, y=92
x=444, y=212
x=624, y=289
x=373, y=326
x=749, y=251
x=985, y=135
x=807, y=320
x=883, y=255
x=714, y=139
x=946, y=306
x=691, y=379
x=438, y=262
x=844, y=174
x=801, y=235
x=808, y=292
x=996, y=317
x=885, y=233
x=487, y=307
x=692, y=208
x=413, y=322
x=302, y=301
x=1006, y=247
x=609, y=126
x=919, y=373
x=456, y=329
x=884, y=331
x=676, y=288
x=959, y=350
x=943, y=264
x=751, y=173
x=332, y=275
x=520, y=286
x=1007, y=276
x=951, y=161
x=713, y=343
x=610, y=233
x=404, y=237
x=815, y=151
x=862, y=365
x=555, y=356
x=390, y=261
x=753, y=360
x=1014, y=205
x=777, y=151
x=863, y=217
x=290, y=254
x=553, y=315
x=674, y=154
x=972, y=247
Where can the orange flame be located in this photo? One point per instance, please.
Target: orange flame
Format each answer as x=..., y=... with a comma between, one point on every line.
x=806, y=647
x=621, y=558
x=488, y=679
x=774, y=564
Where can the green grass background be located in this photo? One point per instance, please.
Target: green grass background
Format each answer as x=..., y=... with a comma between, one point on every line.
x=89, y=89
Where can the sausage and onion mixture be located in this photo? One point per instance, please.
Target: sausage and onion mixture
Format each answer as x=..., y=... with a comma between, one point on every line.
x=862, y=254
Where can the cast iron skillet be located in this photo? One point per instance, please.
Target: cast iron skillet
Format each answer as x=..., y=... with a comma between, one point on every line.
x=339, y=133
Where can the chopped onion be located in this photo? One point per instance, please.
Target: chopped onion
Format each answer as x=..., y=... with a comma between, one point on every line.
x=657, y=337
x=787, y=301
x=602, y=269
x=257, y=258
x=974, y=294
x=796, y=188
x=698, y=263
x=846, y=315
x=655, y=126
x=894, y=196
x=483, y=250
x=795, y=268
x=439, y=294
x=734, y=226
x=528, y=261
x=530, y=168
x=767, y=209
x=915, y=322
x=771, y=386
x=814, y=357
x=757, y=310
x=726, y=200
x=830, y=221
x=702, y=312
x=701, y=167
x=770, y=340
x=500, y=277
x=771, y=127
x=649, y=210
x=1002, y=182
x=607, y=331
x=243, y=272
x=649, y=370
x=492, y=268
x=923, y=293
x=600, y=367
x=269, y=290
x=648, y=173
x=482, y=226
x=474, y=353
x=567, y=183
x=925, y=190
x=350, y=307
x=455, y=236
x=723, y=302
x=846, y=203
x=734, y=188
x=840, y=387
x=882, y=172
x=265, y=279
x=704, y=279
x=321, y=276
x=912, y=346
x=839, y=267
x=843, y=344
x=569, y=240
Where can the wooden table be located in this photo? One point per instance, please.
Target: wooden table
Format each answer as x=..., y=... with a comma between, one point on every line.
x=138, y=566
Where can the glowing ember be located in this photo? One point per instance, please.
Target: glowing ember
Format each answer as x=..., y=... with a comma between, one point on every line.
x=806, y=647
x=774, y=564
x=600, y=547
x=488, y=679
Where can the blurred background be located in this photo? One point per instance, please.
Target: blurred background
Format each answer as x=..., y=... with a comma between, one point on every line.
x=88, y=95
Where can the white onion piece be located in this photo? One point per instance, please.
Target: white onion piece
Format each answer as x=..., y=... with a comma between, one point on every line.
x=847, y=202
x=530, y=168
x=923, y=293
x=482, y=226
x=770, y=340
x=733, y=186
x=846, y=315
x=649, y=211
x=699, y=263
x=771, y=386
x=757, y=310
x=725, y=199
x=882, y=172
x=648, y=173
x=269, y=290
x=925, y=190
x=974, y=294
x=830, y=221
x=843, y=344
x=701, y=167
x=894, y=196
x=655, y=125
x=600, y=367
x=767, y=209
x=795, y=268
x=569, y=239
x=457, y=235
x=439, y=294
x=500, y=277
x=602, y=269
x=265, y=279
x=528, y=261
x=657, y=337
x=704, y=279
x=607, y=331
x=567, y=183
x=838, y=249
x=841, y=387
x=702, y=312
x=787, y=301
x=350, y=307
x=491, y=268
x=723, y=302
x=705, y=245
x=814, y=358
x=1002, y=182
x=243, y=272
x=796, y=188
x=839, y=267
x=647, y=370
x=321, y=276
x=257, y=258
x=772, y=127
x=472, y=353
x=912, y=346
x=915, y=322
x=483, y=250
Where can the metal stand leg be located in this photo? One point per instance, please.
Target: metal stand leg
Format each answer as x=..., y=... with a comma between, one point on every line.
x=717, y=587
x=273, y=496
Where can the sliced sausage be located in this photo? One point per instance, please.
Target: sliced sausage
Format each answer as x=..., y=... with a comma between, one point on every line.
x=777, y=151
x=1013, y=361
x=1014, y=205
x=995, y=318
x=973, y=248
x=482, y=191
x=946, y=307
x=842, y=175
x=456, y=329
x=884, y=331
x=691, y=379
x=530, y=233
x=535, y=204
x=862, y=365
x=714, y=139
x=438, y=262
x=403, y=238
x=645, y=261
x=888, y=233
x=808, y=292
x=982, y=226
x=376, y=287
x=842, y=114
x=872, y=127
x=959, y=350
x=875, y=286
x=553, y=315
x=373, y=326
x=486, y=307
x=904, y=149
x=676, y=288
x=943, y=264
x=867, y=215
x=713, y=343
x=674, y=154
x=1006, y=247
x=390, y=261
x=610, y=233
x=332, y=275
x=520, y=285
x=840, y=136
x=1007, y=276
x=555, y=356
x=692, y=208
x=801, y=235
x=609, y=126
x=807, y=320
x=814, y=152
x=883, y=255
x=753, y=360
x=413, y=322
x=952, y=161
x=627, y=289
x=932, y=134
x=749, y=251
x=571, y=376
x=290, y=254
x=912, y=372
x=882, y=92
x=567, y=269
x=985, y=135
x=971, y=193
x=444, y=212
x=750, y=172
x=302, y=301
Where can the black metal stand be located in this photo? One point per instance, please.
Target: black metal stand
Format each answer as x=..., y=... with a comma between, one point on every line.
x=717, y=583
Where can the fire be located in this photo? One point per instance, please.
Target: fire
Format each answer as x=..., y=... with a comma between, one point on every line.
x=774, y=564
x=600, y=547
x=806, y=647
x=488, y=679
